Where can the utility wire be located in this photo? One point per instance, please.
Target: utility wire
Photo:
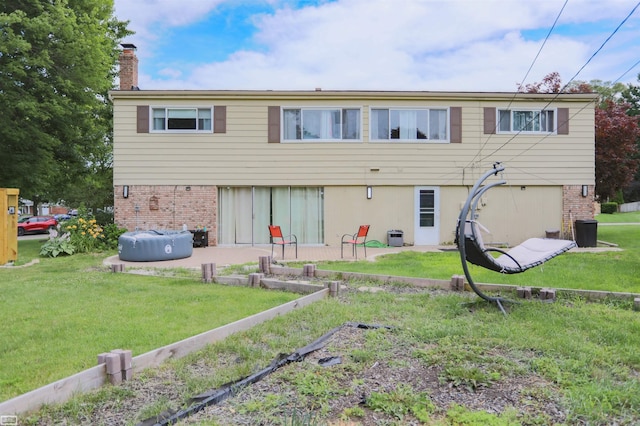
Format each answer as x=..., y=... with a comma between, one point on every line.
x=626, y=72
x=524, y=78
x=572, y=78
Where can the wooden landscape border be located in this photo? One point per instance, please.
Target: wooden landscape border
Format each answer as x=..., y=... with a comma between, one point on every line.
x=95, y=377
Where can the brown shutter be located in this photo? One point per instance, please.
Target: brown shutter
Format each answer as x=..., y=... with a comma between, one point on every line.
x=143, y=119
x=273, y=135
x=455, y=121
x=489, y=121
x=220, y=119
x=563, y=121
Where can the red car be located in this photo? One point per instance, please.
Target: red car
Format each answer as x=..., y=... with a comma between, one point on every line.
x=36, y=225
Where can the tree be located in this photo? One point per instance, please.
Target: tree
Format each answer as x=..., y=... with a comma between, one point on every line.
x=551, y=83
x=57, y=64
x=631, y=95
x=617, y=132
x=616, y=149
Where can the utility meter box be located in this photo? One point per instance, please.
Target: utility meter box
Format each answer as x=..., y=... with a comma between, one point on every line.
x=8, y=225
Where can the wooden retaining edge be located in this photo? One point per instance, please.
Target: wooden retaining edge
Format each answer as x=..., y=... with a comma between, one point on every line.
x=294, y=287
x=587, y=294
x=271, y=284
x=446, y=284
x=418, y=282
x=191, y=344
x=95, y=377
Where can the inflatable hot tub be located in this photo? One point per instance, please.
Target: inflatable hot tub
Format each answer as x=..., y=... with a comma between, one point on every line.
x=149, y=246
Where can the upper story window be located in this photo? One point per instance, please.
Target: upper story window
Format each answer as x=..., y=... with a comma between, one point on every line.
x=321, y=124
x=528, y=121
x=182, y=119
x=409, y=124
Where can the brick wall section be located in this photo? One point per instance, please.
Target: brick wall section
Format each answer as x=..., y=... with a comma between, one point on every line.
x=168, y=207
x=575, y=206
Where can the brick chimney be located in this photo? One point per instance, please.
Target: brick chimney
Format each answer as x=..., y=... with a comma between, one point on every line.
x=128, y=67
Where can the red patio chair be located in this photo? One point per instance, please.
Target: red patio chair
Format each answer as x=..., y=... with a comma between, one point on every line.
x=359, y=237
x=278, y=239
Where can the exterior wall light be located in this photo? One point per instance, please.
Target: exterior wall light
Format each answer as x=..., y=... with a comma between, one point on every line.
x=369, y=192
x=585, y=190
x=125, y=191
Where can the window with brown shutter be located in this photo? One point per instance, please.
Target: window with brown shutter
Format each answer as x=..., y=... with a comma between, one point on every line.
x=455, y=122
x=220, y=119
x=143, y=119
x=489, y=121
x=273, y=132
x=563, y=121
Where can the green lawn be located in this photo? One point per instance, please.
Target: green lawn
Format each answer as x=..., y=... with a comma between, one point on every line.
x=582, y=357
x=608, y=271
x=59, y=314
x=619, y=217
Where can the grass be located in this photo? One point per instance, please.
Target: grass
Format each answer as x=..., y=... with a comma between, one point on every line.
x=606, y=271
x=632, y=217
x=584, y=356
x=60, y=313
x=585, y=352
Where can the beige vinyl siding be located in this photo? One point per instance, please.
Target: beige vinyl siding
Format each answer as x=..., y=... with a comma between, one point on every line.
x=505, y=212
x=243, y=157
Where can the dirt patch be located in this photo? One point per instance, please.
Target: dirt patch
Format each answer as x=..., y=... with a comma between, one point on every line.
x=284, y=395
x=336, y=394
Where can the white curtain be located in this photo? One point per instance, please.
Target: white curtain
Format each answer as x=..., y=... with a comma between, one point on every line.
x=226, y=218
x=281, y=208
x=291, y=124
x=245, y=213
x=307, y=215
x=235, y=216
x=321, y=124
x=261, y=222
x=438, y=124
x=408, y=121
x=380, y=124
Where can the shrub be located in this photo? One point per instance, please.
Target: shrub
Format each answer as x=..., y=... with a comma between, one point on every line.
x=86, y=235
x=609, y=207
x=111, y=234
x=57, y=245
x=104, y=218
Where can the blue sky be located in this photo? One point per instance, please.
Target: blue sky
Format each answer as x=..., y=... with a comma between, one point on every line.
x=438, y=45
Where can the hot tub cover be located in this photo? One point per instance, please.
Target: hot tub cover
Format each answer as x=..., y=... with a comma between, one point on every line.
x=154, y=245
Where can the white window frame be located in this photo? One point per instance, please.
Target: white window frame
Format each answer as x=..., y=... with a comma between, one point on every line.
x=301, y=110
x=389, y=139
x=166, y=109
x=540, y=111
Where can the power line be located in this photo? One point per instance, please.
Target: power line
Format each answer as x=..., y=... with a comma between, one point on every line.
x=602, y=45
x=525, y=76
x=572, y=78
x=626, y=72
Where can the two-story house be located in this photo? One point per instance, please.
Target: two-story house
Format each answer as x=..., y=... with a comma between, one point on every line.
x=320, y=163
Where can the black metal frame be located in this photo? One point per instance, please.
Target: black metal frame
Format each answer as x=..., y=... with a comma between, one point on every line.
x=469, y=211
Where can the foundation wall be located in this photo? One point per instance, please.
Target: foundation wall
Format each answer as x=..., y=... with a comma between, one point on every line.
x=167, y=207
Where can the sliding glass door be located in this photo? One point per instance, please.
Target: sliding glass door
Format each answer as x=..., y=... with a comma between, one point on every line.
x=244, y=214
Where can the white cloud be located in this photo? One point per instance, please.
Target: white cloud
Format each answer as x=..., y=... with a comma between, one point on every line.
x=394, y=44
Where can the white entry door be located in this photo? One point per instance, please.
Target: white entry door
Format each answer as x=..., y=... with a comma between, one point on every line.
x=427, y=215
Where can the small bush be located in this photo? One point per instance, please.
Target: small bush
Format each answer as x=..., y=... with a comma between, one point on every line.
x=57, y=245
x=609, y=208
x=82, y=234
x=86, y=234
